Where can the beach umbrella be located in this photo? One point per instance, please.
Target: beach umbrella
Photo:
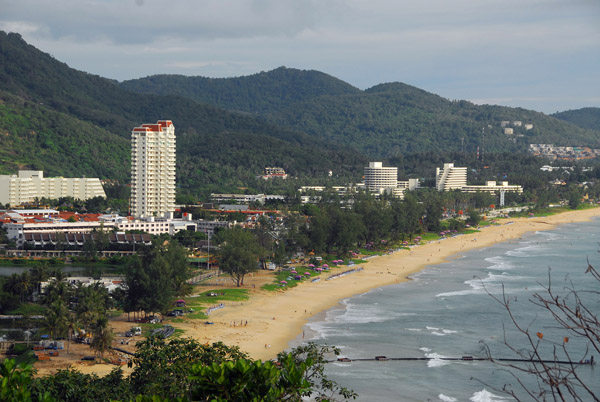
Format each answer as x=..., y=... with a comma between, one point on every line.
x=293, y=271
x=311, y=265
x=307, y=273
x=325, y=266
x=284, y=282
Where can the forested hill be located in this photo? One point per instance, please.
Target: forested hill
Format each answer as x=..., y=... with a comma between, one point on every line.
x=587, y=117
x=258, y=93
x=383, y=121
x=393, y=119
x=71, y=123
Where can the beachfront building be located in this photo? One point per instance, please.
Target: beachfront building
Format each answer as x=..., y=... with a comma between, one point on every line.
x=19, y=224
x=28, y=185
x=153, y=169
x=493, y=187
x=450, y=177
x=154, y=225
x=379, y=178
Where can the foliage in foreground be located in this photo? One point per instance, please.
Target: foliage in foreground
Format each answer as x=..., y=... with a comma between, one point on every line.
x=184, y=370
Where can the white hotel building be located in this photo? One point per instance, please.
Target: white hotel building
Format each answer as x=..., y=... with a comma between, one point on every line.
x=450, y=177
x=455, y=178
x=379, y=178
x=153, y=169
x=31, y=184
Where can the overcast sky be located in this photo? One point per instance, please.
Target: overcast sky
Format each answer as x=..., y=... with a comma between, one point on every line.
x=537, y=54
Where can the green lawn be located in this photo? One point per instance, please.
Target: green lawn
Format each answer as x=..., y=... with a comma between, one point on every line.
x=28, y=309
x=291, y=283
x=201, y=302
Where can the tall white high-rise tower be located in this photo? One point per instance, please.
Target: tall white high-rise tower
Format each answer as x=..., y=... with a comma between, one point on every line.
x=153, y=169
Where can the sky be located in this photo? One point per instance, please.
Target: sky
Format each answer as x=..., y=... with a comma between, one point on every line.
x=542, y=55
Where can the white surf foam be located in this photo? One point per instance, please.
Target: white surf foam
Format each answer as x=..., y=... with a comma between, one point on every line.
x=486, y=396
x=491, y=284
x=443, y=332
x=499, y=263
x=445, y=398
x=366, y=313
x=436, y=360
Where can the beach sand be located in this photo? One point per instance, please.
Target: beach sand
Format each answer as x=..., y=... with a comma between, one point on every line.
x=274, y=320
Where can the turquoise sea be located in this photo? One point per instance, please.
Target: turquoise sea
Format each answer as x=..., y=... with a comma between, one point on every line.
x=446, y=311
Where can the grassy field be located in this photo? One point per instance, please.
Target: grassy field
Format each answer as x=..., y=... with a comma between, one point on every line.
x=301, y=271
x=200, y=303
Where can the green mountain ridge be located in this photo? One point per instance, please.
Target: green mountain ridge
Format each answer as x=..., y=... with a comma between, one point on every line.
x=384, y=121
x=258, y=93
x=587, y=117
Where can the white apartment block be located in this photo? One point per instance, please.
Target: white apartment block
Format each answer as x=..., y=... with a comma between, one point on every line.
x=31, y=184
x=156, y=226
x=153, y=169
x=450, y=178
x=379, y=178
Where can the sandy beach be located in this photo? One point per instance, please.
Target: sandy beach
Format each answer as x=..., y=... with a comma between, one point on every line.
x=273, y=320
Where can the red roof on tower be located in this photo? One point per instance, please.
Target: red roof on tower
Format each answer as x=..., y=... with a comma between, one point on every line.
x=154, y=127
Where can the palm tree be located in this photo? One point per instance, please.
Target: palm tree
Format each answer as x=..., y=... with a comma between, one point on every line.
x=19, y=285
x=25, y=285
x=56, y=290
x=72, y=325
x=91, y=303
x=103, y=336
x=55, y=318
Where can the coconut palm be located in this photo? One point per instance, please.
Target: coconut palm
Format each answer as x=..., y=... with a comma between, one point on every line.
x=72, y=325
x=56, y=318
x=103, y=336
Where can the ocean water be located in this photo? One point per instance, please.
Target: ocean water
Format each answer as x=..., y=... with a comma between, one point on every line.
x=446, y=311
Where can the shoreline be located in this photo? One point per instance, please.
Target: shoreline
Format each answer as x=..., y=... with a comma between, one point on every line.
x=276, y=320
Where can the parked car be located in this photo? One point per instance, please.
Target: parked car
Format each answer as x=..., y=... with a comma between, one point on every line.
x=175, y=313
